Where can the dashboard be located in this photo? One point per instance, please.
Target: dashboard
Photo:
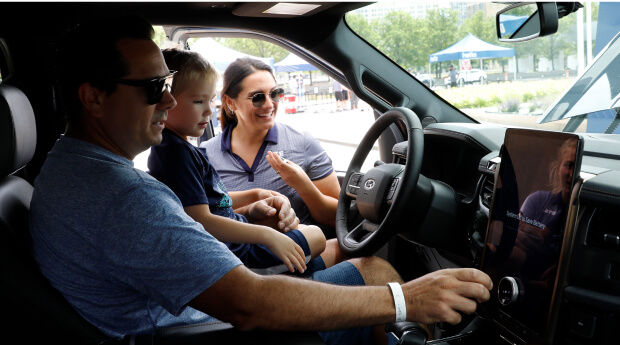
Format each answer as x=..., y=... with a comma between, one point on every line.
x=585, y=304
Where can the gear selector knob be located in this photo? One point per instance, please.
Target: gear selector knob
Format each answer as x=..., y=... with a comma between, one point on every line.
x=509, y=291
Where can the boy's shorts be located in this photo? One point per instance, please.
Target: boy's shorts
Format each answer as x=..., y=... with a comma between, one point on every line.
x=261, y=260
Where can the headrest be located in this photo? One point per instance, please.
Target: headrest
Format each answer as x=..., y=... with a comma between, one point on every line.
x=18, y=131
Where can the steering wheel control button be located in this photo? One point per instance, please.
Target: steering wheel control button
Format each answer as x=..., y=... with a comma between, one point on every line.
x=352, y=190
x=508, y=291
x=355, y=179
x=394, y=184
x=354, y=184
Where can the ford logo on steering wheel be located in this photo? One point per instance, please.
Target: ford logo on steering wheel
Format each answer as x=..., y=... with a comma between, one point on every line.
x=369, y=184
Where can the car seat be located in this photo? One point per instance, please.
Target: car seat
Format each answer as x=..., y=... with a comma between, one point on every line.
x=33, y=308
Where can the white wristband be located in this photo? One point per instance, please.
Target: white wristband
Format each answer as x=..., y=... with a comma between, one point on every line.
x=399, y=301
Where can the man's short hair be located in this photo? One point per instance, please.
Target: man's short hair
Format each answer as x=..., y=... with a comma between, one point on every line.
x=89, y=54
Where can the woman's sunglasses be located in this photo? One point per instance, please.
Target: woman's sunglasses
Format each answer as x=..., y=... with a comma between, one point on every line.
x=154, y=88
x=258, y=99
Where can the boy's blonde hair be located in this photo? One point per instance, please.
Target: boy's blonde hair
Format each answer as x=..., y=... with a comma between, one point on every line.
x=190, y=66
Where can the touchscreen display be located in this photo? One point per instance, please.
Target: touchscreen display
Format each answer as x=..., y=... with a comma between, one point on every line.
x=527, y=218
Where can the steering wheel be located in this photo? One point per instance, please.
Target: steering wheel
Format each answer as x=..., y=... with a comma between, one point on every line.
x=383, y=193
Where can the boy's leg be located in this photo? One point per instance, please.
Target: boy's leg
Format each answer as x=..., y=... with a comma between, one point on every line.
x=329, y=250
x=315, y=238
x=262, y=261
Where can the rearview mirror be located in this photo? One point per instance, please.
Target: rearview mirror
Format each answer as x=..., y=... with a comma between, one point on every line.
x=525, y=21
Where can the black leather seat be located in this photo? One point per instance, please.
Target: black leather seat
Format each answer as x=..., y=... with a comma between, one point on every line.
x=35, y=310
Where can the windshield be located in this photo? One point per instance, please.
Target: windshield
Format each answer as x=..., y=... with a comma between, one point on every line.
x=452, y=48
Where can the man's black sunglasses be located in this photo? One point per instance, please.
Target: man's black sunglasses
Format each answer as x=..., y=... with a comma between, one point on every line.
x=154, y=88
x=258, y=99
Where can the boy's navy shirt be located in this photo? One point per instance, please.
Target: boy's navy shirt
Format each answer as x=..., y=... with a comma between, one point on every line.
x=186, y=170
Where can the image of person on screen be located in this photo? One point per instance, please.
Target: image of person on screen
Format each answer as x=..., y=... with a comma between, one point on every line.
x=542, y=217
x=537, y=229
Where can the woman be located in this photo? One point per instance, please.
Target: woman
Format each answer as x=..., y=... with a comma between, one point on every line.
x=254, y=151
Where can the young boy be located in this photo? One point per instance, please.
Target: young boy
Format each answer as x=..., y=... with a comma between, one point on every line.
x=188, y=172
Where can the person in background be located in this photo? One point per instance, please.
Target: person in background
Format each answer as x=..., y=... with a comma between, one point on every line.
x=452, y=75
x=338, y=95
x=300, y=89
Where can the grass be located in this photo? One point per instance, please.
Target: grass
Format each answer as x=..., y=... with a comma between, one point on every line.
x=506, y=96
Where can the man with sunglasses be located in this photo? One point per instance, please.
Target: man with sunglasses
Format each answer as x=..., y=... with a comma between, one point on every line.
x=118, y=245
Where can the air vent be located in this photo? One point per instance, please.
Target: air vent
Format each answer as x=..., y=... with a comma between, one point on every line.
x=486, y=192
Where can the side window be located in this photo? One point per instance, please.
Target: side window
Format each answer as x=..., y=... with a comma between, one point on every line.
x=313, y=101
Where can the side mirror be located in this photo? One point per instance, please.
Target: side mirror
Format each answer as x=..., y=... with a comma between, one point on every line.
x=525, y=21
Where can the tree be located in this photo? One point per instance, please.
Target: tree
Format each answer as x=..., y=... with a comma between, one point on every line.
x=362, y=27
x=480, y=26
x=401, y=39
x=160, y=36
x=440, y=30
x=254, y=47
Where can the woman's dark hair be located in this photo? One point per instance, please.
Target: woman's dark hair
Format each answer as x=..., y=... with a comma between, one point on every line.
x=89, y=54
x=234, y=75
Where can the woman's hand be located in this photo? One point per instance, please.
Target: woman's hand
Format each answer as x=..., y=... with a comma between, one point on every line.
x=286, y=250
x=291, y=173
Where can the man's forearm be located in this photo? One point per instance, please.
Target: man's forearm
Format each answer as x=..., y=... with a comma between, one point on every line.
x=286, y=303
x=279, y=302
x=298, y=306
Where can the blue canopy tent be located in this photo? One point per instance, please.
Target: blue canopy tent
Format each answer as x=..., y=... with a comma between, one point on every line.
x=509, y=24
x=293, y=63
x=221, y=56
x=471, y=47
